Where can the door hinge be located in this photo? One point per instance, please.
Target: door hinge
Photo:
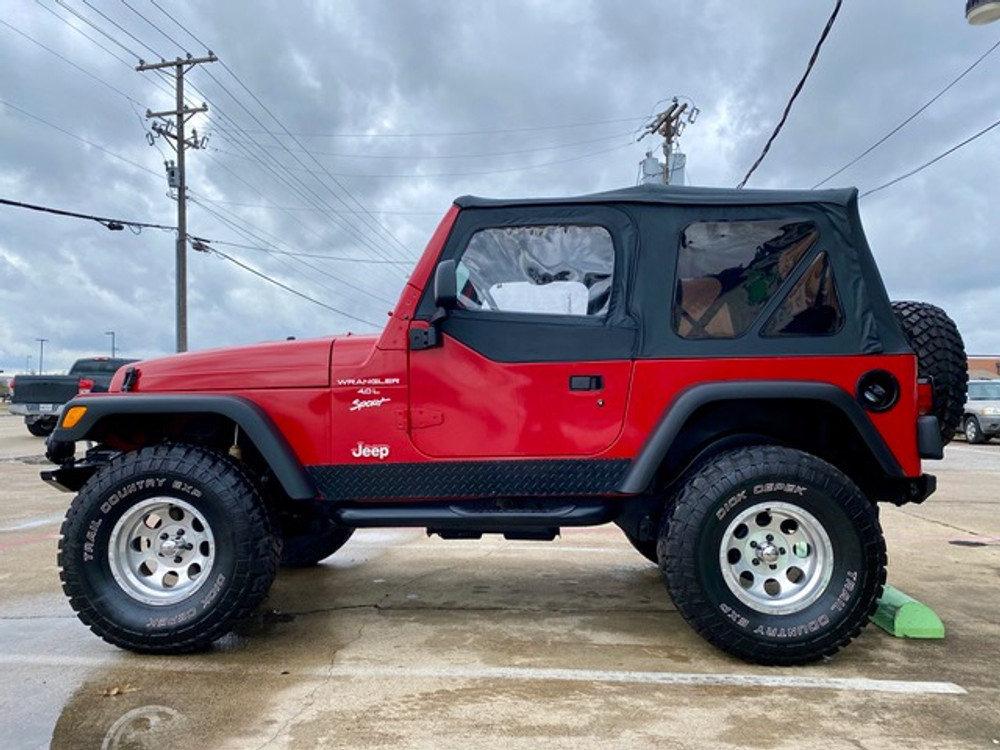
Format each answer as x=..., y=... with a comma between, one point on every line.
x=424, y=338
x=415, y=419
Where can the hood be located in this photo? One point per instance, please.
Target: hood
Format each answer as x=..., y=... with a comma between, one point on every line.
x=280, y=364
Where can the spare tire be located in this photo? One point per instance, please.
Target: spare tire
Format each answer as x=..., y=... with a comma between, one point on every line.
x=940, y=356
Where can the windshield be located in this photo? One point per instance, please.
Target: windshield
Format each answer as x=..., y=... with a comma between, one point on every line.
x=984, y=391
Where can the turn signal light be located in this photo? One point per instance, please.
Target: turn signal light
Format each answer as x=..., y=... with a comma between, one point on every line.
x=73, y=416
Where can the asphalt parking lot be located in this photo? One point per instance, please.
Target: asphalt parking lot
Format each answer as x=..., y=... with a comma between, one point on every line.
x=405, y=641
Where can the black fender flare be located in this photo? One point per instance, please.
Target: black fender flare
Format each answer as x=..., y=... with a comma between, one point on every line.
x=640, y=475
x=251, y=418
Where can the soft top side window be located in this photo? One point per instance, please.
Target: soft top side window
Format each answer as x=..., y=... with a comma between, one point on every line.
x=727, y=271
x=549, y=269
x=812, y=306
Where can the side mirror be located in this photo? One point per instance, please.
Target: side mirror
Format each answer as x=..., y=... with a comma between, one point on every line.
x=446, y=285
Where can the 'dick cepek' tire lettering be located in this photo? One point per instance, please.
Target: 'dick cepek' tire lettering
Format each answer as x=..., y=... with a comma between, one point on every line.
x=773, y=555
x=165, y=548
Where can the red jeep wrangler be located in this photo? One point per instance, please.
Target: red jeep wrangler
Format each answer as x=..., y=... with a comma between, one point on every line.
x=718, y=372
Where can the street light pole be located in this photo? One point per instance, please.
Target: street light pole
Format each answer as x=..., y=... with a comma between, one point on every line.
x=112, y=335
x=41, y=355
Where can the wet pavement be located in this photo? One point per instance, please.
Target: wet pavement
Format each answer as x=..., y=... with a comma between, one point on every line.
x=405, y=641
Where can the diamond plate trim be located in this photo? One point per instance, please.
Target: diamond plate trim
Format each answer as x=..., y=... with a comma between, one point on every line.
x=468, y=479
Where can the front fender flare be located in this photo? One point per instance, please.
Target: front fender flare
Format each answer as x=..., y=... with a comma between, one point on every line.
x=251, y=418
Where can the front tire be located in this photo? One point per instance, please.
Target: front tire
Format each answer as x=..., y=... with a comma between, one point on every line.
x=165, y=548
x=974, y=432
x=773, y=555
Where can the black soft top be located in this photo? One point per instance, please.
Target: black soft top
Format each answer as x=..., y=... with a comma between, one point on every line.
x=680, y=196
x=660, y=212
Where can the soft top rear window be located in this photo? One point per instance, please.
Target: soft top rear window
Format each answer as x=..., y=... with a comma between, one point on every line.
x=727, y=271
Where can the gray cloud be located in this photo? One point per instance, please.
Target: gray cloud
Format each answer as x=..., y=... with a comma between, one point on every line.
x=351, y=79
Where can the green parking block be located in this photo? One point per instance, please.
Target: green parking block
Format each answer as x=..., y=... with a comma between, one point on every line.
x=904, y=617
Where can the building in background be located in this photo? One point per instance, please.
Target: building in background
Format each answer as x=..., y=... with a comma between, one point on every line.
x=984, y=367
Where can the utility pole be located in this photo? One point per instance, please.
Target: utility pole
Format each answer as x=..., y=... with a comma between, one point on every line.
x=180, y=144
x=112, y=335
x=669, y=124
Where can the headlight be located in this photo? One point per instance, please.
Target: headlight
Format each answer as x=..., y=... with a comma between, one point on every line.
x=991, y=411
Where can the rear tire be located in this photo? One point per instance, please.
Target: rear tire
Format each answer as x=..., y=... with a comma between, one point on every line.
x=165, y=548
x=941, y=356
x=773, y=555
x=41, y=427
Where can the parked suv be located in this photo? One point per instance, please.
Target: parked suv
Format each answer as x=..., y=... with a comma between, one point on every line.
x=981, y=420
x=718, y=372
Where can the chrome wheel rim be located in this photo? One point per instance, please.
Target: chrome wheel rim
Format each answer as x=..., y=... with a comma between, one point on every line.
x=161, y=551
x=776, y=558
x=970, y=430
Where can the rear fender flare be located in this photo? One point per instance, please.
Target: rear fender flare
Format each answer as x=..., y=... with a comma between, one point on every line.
x=670, y=424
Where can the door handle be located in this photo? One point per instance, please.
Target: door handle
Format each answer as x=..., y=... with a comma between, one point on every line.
x=586, y=382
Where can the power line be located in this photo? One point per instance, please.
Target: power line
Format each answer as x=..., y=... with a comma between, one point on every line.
x=81, y=139
x=112, y=224
x=263, y=160
x=132, y=102
x=178, y=24
x=131, y=66
x=98, y=29
x=81, y=33
x=295, y=208
x=459, y=133
x=320, y=256
x=164, y=34
x=410, y=135
x=423, y=175
x=68, y=61
x=936, y=159
x=479, y=155
x=118, y=26
x=364, y=215
x=907, y=121
x=287, y=288
x=235, y=225
x=795, y=94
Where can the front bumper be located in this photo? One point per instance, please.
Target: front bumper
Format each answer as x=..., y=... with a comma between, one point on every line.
x=990, y=425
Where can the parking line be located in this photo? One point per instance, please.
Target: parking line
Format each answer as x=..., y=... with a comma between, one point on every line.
x=33, y=523
x=524, y=674
x=531, y=674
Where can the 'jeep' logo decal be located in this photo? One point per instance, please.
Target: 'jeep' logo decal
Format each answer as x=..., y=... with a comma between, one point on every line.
x=363, y=450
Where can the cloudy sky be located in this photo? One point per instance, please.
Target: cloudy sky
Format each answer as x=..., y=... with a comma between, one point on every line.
x=339, y=131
